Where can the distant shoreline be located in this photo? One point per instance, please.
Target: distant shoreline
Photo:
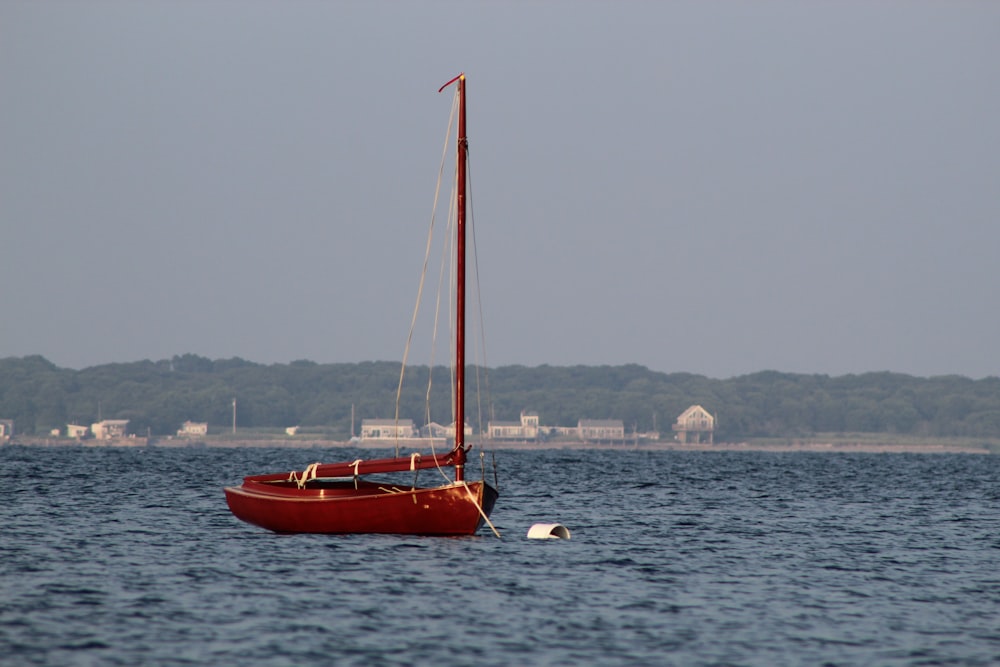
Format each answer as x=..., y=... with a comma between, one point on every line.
x=866, y=444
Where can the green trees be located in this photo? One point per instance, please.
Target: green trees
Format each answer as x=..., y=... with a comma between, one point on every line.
x=159, y=396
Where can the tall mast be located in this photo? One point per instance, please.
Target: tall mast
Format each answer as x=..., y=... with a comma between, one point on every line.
x=460, y=206
x=463, y=150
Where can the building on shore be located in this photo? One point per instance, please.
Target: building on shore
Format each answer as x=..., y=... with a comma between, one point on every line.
x=601, y=430
x=191, y=429
x=450, y=430
x=435, y=431
x=387, y=429
x=6, y=430
x=524, y=430
x=109, y=429
x=695, y=426
x=528, y=429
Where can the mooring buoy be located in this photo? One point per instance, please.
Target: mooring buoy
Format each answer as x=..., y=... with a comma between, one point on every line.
x=548, y=531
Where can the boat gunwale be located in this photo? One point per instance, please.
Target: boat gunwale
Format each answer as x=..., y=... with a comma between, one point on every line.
x=286, y=494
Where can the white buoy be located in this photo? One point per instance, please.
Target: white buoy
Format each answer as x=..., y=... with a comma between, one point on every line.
x=548, y=531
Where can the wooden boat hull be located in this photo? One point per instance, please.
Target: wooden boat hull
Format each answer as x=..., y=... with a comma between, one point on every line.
x=326, y=506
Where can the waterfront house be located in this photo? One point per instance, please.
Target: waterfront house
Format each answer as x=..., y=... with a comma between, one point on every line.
x=449, y=430
x=695, y=425
x=525, y=429
x=601, y=430
x=387, y=429
x=109, y=429
x=434, y=430
x=193, y=429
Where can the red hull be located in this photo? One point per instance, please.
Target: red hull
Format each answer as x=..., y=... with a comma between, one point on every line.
x=338, y=507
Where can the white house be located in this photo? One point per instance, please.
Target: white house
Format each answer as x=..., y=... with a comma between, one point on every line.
x=6, y=429
x=109, y=429
x=526, y=429
x=694, y=425
x=387, y=429
x=193, y=429
x=446, y=431
x=435, y=430
x=601, y=430
x=449, y=430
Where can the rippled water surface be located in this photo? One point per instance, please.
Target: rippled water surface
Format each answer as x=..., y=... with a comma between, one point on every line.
x=130, y=556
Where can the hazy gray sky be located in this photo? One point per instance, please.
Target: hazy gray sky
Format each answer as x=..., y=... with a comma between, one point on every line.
x=711, y=187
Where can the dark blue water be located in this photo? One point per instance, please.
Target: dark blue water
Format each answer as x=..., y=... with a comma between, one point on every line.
x=130, y=556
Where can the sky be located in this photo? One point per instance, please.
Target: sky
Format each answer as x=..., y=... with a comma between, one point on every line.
x=716, y=188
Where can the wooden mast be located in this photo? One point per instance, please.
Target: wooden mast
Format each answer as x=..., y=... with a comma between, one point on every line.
x=460, y=205
x=463, y=149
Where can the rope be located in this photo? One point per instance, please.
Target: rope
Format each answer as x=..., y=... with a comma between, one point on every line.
x=356, y=463
x=483, y=364
x=479, y=507
x=416, y=473
x=427, y=253
x=307, y=475
x=447, y=268
x=437, y=320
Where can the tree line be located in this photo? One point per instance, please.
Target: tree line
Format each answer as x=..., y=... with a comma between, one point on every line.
x=158, y=396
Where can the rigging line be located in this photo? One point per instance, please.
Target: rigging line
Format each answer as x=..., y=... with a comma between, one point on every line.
x=445, y=249
x=479, y=298
x=445, y=252
x=480, y=508
x=448, y=252
x=452, y=222
x=437, y=320
x=427, y=253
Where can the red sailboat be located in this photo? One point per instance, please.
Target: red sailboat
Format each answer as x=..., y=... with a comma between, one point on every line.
x=335, y=497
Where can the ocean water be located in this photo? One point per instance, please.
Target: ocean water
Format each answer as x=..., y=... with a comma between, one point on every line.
x=131, y=557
